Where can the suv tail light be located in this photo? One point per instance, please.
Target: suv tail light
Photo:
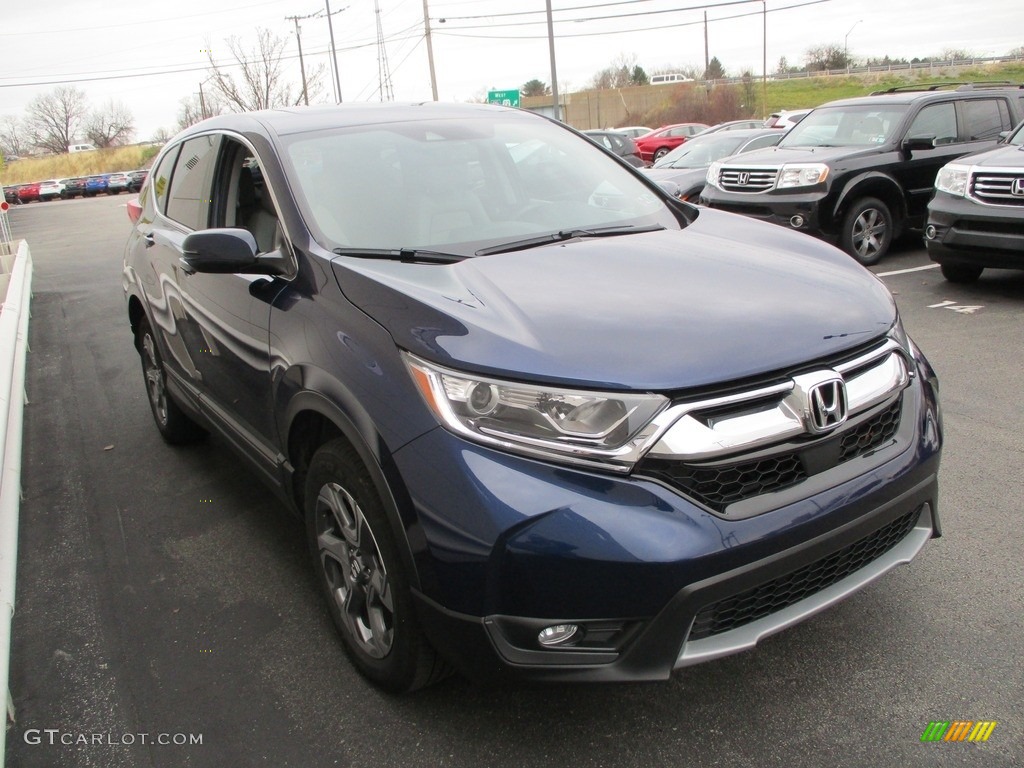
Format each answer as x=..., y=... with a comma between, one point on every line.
x=134, y=209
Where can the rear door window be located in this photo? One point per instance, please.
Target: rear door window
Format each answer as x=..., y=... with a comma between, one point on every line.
x=986, y=118
x=189, y=199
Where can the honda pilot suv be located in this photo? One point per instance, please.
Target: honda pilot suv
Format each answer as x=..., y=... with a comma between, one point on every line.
x=976, y=218
x=540, y=418
x=859, y=171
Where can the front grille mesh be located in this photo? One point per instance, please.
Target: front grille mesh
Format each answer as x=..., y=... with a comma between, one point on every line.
x=718, y=485
x=996, y=188
x=766, y=599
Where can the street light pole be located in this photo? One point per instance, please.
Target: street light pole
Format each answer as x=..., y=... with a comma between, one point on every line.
x=764, y=59
x=846, y=56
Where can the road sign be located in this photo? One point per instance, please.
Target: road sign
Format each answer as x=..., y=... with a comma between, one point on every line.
x=505, y=98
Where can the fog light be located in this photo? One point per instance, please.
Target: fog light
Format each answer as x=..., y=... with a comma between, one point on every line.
x=929, y=232
x=797, y=221
x=558, y=634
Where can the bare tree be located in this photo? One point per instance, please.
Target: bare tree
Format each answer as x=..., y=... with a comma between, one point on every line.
x=13, y=138
x=956, y=54
x=261, y=83
x=54, y=119
x=161, y=136
x=825, y=57
x=110, y=126
x=192, y=109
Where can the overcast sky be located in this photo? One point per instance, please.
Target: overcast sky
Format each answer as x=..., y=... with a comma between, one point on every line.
x=478, y=44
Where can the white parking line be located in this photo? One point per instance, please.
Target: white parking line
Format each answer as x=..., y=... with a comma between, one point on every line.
x=905, y=271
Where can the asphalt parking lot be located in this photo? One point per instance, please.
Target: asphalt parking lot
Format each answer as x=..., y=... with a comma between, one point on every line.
x=164, y=593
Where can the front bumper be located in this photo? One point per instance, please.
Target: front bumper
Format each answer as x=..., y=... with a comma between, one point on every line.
x=968, y=232
x=657, y=582
x=803, y=212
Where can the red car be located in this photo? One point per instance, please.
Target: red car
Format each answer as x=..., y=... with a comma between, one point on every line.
x=664, y=139
x=29, y=192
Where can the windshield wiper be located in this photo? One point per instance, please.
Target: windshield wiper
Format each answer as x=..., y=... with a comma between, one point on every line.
x=401, y=254
x=566, y=234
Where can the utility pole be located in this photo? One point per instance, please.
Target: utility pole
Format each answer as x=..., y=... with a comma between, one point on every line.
x=334, y=53
x=302, y=65
x=430, y=50
x=707, y=63
x=202, y=101
x=554, y=75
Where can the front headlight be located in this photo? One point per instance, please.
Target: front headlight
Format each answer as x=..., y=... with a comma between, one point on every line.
x=952, y=179
x=582, y=426
x=713, y=171
x=801, y=175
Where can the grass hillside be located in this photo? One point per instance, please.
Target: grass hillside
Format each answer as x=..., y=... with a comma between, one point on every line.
x=77, y=164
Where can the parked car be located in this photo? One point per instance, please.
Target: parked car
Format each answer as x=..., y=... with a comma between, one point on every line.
x=976, y=217
x=687, y=165
x=541, y=419
x=786, y=119
x=862, y=170
x=732, y=125
x=117, y=183
x=619, y=145
x=73, y=187
x=668, y=137
x=136, y=179
x=11, y=194
x=633, y=131
x=94, y=185
x=51, y=189
x=28, y=192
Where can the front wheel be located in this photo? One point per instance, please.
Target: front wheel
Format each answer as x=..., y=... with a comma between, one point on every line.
x=961, y=273
x=867, y=230
x=362, y=574
x=660, y=153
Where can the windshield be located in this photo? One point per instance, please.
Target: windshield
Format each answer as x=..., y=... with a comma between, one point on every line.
x=866, y=125
x=459, y=186
x=701, y=152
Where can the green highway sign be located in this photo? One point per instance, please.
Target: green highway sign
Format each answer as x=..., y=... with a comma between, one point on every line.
x=505, y=98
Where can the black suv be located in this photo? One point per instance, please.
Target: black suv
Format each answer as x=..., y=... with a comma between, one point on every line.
x=861, y=170
x=976, y=218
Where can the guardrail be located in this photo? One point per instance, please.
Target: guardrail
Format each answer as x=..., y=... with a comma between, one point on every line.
x=16, y=293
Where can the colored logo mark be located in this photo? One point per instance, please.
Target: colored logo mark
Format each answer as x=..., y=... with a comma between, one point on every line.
x=959, y=730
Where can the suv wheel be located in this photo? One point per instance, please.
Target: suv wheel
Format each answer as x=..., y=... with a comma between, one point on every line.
x=867, y=230
x=174, y=425
x=362, y=574
x=961, y=273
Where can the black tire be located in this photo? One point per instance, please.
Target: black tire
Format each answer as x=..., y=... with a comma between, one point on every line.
x=961, y=273
x=362, y=574
x=867, y=230
x=660, y=153
x=175, y=426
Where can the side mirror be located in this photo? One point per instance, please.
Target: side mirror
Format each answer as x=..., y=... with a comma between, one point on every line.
x=912, y=143
x=670, y=188
x=222, y=251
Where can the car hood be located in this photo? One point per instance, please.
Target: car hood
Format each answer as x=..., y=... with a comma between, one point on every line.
x=686, y=178
x=779, y=155
x=1001, y=157
x=723, y=299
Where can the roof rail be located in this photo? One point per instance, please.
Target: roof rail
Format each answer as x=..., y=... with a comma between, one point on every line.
x=959, y=85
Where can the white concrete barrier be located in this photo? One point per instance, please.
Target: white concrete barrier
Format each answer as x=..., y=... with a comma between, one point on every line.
x=14, y=317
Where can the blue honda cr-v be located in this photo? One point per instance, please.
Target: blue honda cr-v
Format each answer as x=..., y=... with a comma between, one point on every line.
x=540, y=418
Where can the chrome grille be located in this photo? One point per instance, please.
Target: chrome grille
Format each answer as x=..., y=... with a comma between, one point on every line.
x=747, y=179
x=997, y=188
